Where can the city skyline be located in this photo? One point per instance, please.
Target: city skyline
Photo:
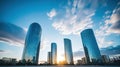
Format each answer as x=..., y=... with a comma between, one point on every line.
x=59, y=20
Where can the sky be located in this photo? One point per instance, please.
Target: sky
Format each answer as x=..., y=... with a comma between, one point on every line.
x=59, y=19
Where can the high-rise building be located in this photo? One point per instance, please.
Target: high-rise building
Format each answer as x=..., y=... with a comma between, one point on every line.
x=91, y=49
x=79, y=62
x=84, y=60
x=105, y=59
x=68, y=51
x=49, y=58
x=54, y=53
x=32, y=44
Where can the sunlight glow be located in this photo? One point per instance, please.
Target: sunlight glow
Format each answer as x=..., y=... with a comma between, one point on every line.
x=60, y=60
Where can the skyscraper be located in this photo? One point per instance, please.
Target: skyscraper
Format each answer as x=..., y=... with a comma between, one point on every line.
x=54, y=53
x=32, y=44
x=105, y=58
x=91, y=49
x=49, y=58
x=68, y=51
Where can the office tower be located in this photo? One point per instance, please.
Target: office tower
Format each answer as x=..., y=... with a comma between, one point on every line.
x=91, y=49
x=84, y=60
x=32, y=44
x=79, y=62
x=54, y=53
x=68, y=51
x=105, y=59
x=49, y=58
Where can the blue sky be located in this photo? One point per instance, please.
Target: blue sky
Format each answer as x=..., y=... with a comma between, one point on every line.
x=59, y=19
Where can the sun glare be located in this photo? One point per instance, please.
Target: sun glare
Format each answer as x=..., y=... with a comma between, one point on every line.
x=60, y=60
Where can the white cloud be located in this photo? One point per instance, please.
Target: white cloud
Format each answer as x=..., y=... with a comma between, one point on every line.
x=114, y=18
x=113, y=22
x=110, y=42
x=52, y=13
x=5, y=51
x=107, y=12
x=76, y=18
x=110, y=25
x=102, y=41
x=12, y=34
x=18, y=43
x=25, y=29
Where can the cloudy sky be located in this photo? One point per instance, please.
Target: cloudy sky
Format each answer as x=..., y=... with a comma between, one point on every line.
x=59, y=19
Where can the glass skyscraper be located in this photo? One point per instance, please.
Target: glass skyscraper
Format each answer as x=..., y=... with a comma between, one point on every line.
x=91, y=49
x=32, y=44
x=68, y=51
x=54, y=53
x=49, y=58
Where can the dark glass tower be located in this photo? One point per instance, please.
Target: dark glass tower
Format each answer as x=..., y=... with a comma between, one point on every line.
x=49, y=58
x=68, y=51
x=91, y=49
x=54, y=53
x=32, y=44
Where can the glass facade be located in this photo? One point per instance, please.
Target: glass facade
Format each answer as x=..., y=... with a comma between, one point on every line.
x=91, y=49
x=32, y=44
x=68, y=51
x=49, y=58
x=54, y=53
